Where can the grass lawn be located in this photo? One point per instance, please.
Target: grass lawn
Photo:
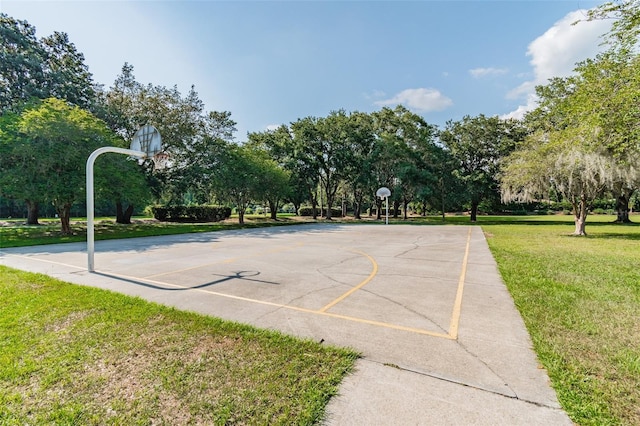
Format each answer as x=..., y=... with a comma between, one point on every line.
x=580, y=300
x=76, y=355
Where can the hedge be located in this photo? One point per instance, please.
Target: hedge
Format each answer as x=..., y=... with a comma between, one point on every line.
x=191, y=213
x=308, y=211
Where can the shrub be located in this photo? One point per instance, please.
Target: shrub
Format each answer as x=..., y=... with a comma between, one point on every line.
x=191, y=213
x=308, y=211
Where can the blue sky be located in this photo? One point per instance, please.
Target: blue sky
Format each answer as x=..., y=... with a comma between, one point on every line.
x=272, y=62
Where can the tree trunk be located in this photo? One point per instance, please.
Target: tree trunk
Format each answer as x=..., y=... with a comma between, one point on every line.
x=357, y=206
x=404, y=207
x=442, y=198
x=580, y=226
x=329, y=205
x=32, y=212
x=127, y=214
x=123, y=216
x=296, y=207
x=273, y=207
x=314, y=204
x=396, y=207
x=64, y=213
x=474, y=211
x=622, y=209
x=378, y=208
x=119, y=212
x=580, y=217
x=241, y=216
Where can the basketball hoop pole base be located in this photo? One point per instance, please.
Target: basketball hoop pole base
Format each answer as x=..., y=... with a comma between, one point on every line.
x=90, y=206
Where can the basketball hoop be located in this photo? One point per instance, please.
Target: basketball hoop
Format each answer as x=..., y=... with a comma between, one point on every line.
x=146, y=143
x=160, y=160
x=147, y=140
x=384, y=193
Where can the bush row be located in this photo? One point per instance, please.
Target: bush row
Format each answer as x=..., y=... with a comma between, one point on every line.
x=191, y=213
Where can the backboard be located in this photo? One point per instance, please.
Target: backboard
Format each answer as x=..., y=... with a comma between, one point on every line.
x=147, y=139
x=383, y=192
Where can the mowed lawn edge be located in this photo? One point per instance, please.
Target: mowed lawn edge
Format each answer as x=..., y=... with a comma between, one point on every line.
x=77, y=355
x=580, y=300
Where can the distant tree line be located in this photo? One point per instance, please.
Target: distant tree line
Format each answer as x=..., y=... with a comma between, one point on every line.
x=578, y=146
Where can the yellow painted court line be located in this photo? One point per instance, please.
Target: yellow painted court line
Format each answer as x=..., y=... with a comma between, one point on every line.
x=386, y=325
x=457, y=306
x=295, y=308
x=359, y=286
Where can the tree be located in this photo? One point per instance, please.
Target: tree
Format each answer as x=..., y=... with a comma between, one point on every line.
x=121, y=179
x=67, y=76
x=359, y=170
x=321, y=145
x=32, y=68
x=22, y=63
x=196, y=164
x=583, y=143
x=274, y=181
x=20, y=169
x=478, y=144
x=238, y=178
x=190, y=135
x=560, y=162
x=46, y=148
x=285, y=150
x=403, y=155
x=625, y=30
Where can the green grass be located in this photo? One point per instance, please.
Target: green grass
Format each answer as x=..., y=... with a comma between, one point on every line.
x=580, y=300
x=79, y=355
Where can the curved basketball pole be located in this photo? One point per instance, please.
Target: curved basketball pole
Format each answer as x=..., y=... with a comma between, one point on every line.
x=90, y=201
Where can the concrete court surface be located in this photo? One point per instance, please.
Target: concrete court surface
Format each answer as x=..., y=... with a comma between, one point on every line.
x=441, y=340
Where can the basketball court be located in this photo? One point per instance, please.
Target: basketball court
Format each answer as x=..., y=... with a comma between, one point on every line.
x=421, y=301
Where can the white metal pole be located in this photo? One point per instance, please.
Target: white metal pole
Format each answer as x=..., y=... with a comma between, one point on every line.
x=90, y=207
x=387, y=200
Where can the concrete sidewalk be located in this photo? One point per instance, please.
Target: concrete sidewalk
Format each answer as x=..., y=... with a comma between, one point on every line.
x=441, y=340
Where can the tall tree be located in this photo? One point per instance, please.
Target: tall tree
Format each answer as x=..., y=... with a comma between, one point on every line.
x=584, y=144
x=190, y=135
x=403, y=154
x=303, y=172
x=274, y=182
x=20, y=167
x=32, y=68
x=239, y=177
x=324, y=145
x=22, y=63
x=46, y=150
x=67, y=76
x=478, y=144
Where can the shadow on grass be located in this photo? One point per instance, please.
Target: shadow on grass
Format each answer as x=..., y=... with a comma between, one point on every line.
x=615, y=236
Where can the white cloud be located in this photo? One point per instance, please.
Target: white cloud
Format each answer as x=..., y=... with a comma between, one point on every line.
x=484, y=72
x=421, y=100
x=272, y=127
x=518, y=113
x=556, y=52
